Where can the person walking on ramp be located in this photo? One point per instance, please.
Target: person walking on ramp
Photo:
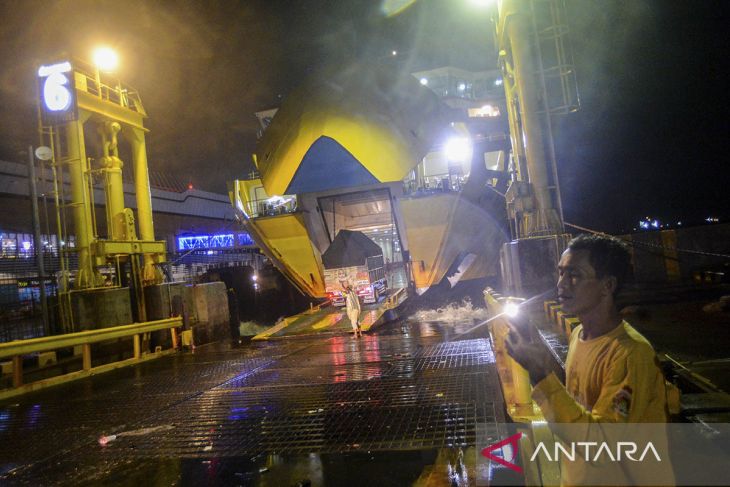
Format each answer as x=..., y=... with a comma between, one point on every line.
x=353, y=309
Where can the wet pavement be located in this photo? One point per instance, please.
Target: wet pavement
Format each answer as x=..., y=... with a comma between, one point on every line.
x=322, y=410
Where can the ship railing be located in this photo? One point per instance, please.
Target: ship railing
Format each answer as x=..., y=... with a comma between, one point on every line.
x=395, y=299
x=270, y=206
x=116, y=92
x=19, y=349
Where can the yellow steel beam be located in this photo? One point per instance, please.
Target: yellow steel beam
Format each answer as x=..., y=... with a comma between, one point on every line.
x=517, y=393
x=127, y=247
x=43, y=344
x=515, y=379
x=112, y=111
x=80, y=374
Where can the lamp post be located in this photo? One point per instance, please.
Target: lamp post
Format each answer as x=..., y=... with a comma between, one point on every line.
x=44, y=154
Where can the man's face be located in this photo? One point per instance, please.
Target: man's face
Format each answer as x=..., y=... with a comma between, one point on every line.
x=579, y=290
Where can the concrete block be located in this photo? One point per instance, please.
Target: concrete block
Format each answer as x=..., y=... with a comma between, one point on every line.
x=101, y=308
x=553, y=313
x=211, y=302
x=46, y=358
x=567, y=322
x=161, y=300
x=546, y=307
x=211, y=306
x=187, y=338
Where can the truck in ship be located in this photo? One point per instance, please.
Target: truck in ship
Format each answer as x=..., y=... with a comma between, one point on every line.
x=353, y=259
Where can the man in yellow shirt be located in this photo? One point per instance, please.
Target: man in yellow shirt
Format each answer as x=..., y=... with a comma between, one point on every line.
x=612, y=376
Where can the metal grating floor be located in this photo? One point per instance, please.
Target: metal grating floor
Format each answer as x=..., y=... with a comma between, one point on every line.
x=388, y=392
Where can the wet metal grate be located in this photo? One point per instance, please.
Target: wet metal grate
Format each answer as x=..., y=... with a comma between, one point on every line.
x=431, y=401
x=310, y=396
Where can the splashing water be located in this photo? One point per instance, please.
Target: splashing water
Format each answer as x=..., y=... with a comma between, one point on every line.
x=459, y=312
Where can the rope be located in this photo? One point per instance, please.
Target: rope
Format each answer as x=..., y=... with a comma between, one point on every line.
x=664, y=249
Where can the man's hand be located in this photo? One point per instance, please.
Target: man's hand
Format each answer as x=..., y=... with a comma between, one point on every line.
x=525, y=346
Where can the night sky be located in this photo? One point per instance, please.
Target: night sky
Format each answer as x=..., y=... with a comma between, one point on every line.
x=650, y=139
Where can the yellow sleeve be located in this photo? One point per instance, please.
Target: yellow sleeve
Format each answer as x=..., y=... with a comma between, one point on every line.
x=630, y=393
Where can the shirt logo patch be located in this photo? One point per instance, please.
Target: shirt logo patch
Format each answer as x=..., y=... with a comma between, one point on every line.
x=622, y=401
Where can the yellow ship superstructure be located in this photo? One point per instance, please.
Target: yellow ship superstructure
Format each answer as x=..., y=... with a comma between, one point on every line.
x=352, y=150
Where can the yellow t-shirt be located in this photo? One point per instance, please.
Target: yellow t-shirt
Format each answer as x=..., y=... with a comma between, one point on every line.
x=613, y=378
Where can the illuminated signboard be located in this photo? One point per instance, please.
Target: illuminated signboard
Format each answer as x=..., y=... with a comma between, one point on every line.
x=220, y=241
x=58, y=93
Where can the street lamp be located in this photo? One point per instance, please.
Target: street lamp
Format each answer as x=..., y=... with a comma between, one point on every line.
x=105, y=59
x=482, y=3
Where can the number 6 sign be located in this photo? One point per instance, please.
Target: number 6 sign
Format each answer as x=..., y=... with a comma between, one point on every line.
x=57, y=93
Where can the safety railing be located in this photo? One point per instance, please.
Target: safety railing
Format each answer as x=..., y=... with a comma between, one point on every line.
x=116, y=93
x=271, y=206
x=394, y=299
x=318, y=307
x=16, y=350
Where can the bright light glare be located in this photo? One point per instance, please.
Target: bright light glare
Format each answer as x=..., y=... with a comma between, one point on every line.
x=254, y=277
x=511, y=309
x=394, y=7
x=481, y=3
x=458, y=149
x=424, y=81
x=106, y=59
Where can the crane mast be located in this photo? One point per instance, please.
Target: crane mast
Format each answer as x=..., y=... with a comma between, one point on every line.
x=540, y=84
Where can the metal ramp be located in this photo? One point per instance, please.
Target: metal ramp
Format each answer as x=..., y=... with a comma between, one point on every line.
x=225, y=412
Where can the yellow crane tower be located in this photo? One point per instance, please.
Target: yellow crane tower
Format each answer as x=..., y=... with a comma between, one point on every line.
x=540, y=83
x=74, y=95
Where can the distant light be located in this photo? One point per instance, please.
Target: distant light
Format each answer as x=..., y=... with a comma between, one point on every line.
x=106, y=59
x=254, y=277
x=484, y=111
x=26, y=245
x=394, y=53
x=655, y=224
x=712, y=219
x=511, y=309
x=424, y=81
x=190, y=185
x=462, y=86
x=458, y=149
x=105, y=440
x=498, y=82
x=679, y=223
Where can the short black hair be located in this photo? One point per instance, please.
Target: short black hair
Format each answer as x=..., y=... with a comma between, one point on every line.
x=608, y=256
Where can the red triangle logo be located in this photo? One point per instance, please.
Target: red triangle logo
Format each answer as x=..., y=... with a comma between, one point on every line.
x=512, y=440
